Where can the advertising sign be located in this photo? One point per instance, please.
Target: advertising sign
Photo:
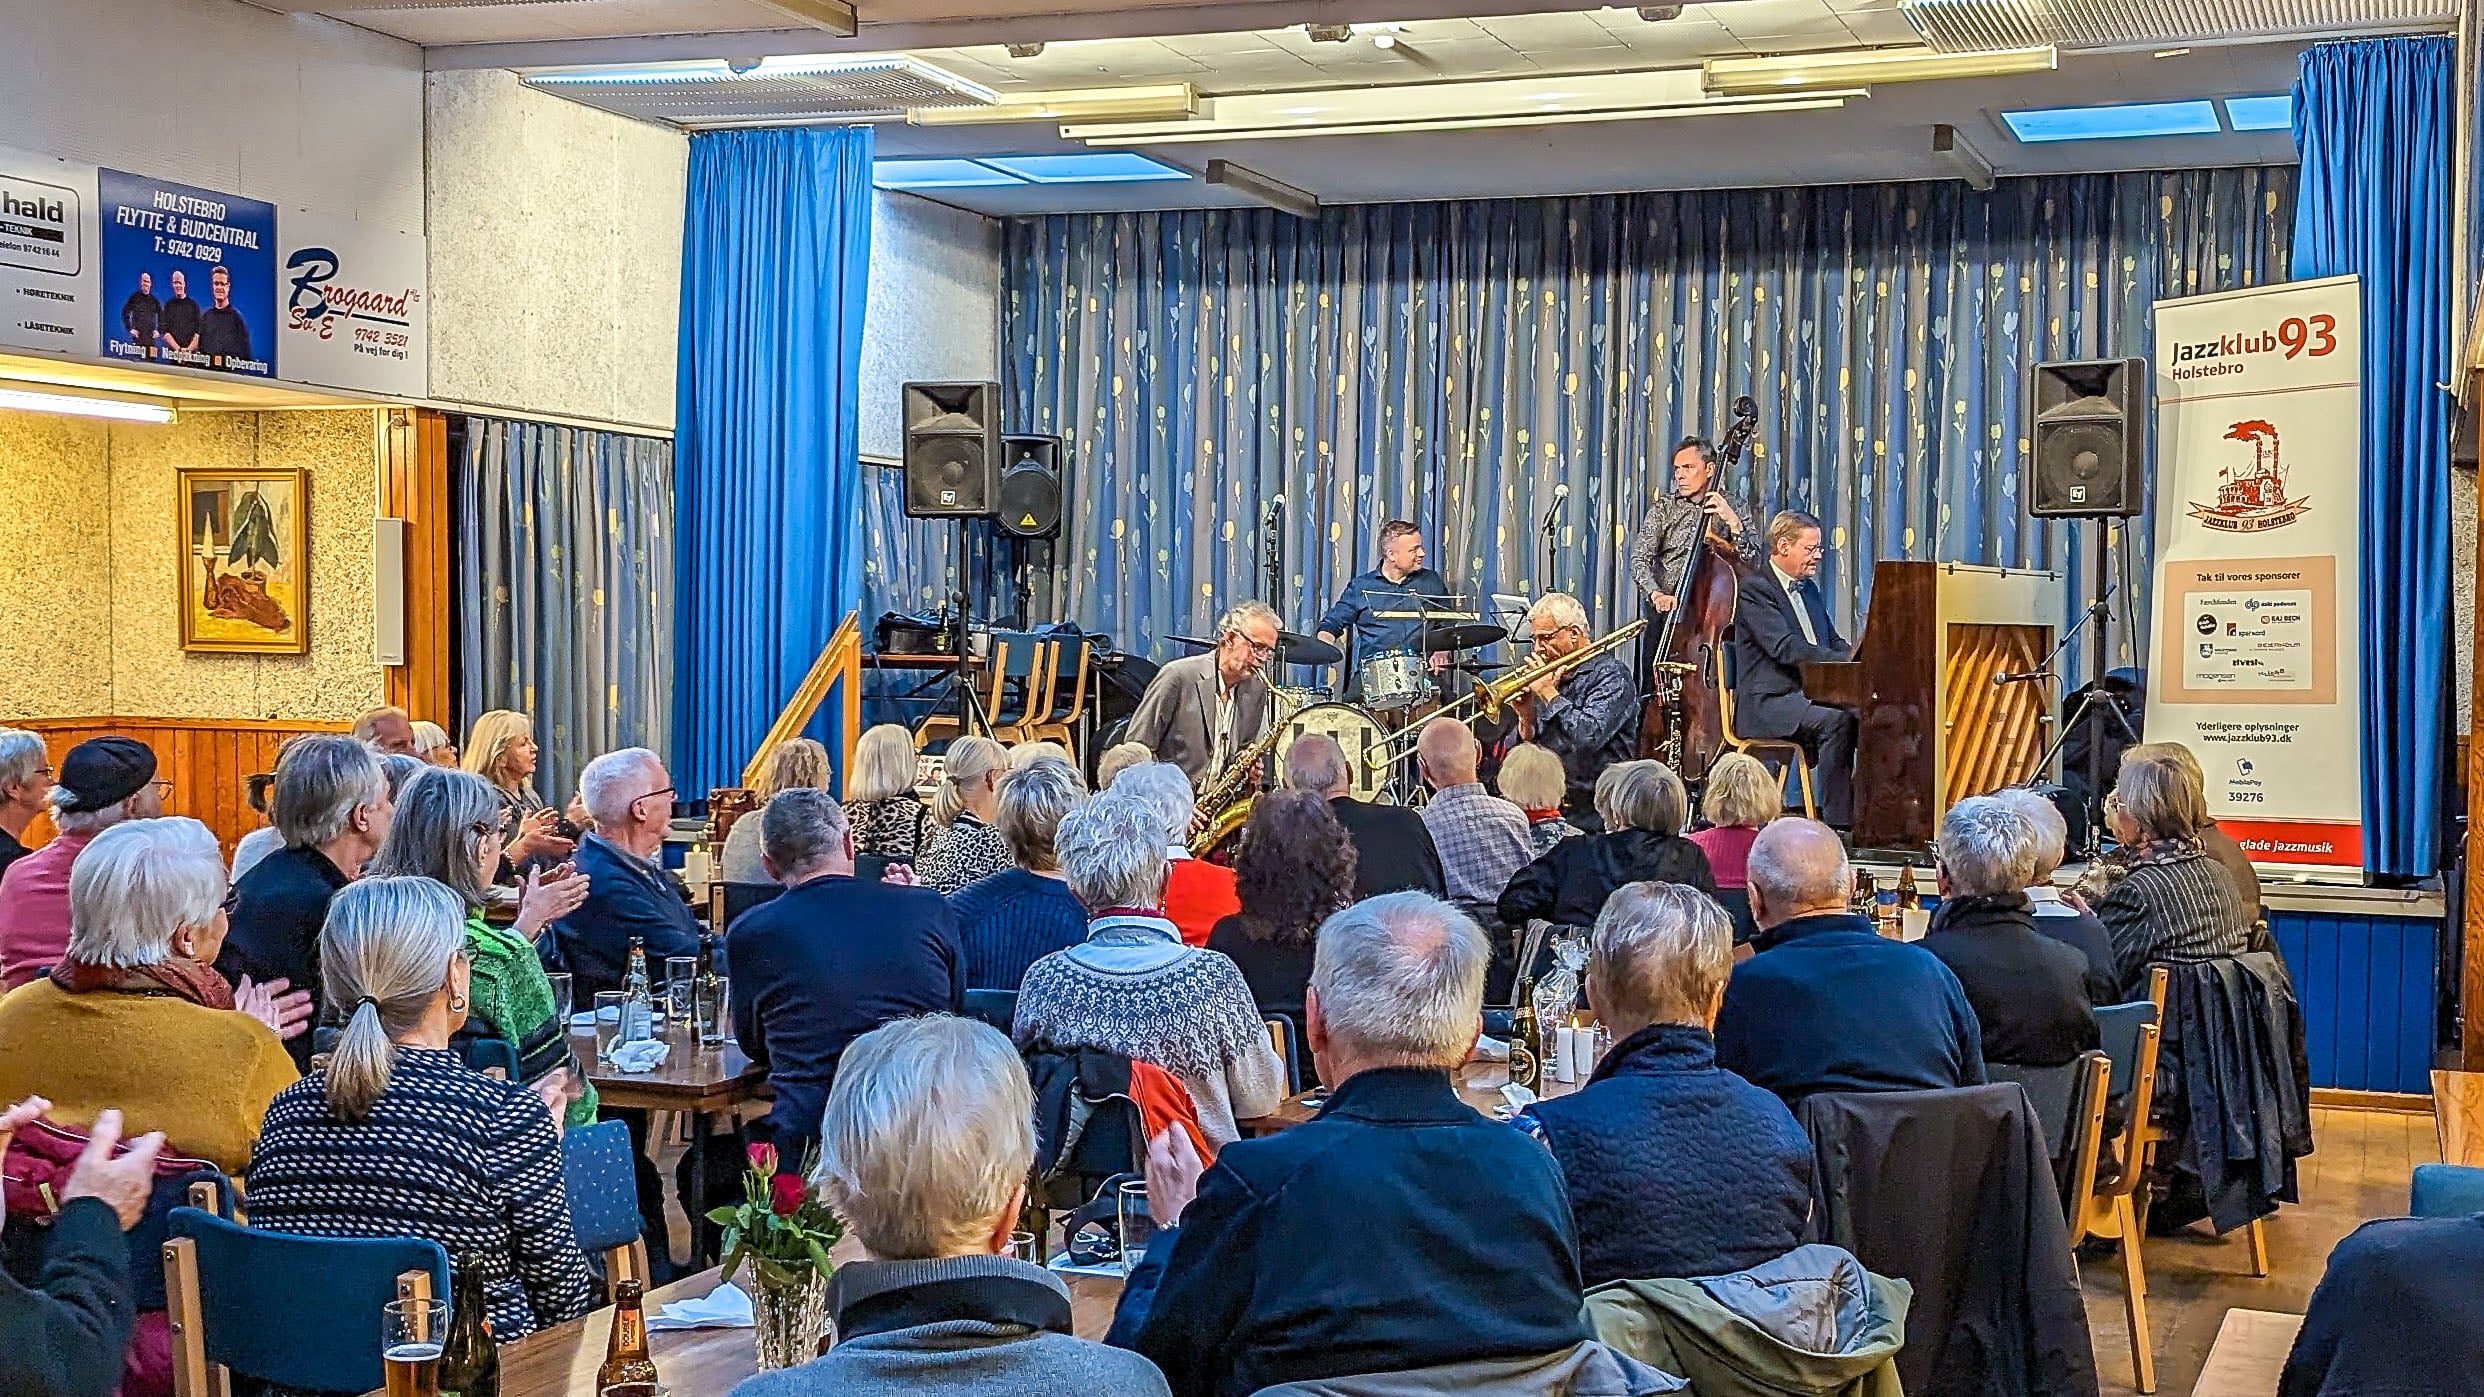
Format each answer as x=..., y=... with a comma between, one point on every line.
x=188, y=276
x=351, y=311
x=47, y=251
x=2259, y=400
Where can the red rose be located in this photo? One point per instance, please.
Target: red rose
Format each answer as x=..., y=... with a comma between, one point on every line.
x=763, y=1159
x=785, y=1195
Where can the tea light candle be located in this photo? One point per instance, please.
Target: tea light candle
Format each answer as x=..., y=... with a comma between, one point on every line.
x=1565, y=1054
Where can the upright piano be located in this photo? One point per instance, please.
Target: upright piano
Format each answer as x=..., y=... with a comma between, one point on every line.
x=1934, y=728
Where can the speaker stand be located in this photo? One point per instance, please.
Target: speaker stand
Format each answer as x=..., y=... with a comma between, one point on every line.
x=971, y=719
x=2098, y=663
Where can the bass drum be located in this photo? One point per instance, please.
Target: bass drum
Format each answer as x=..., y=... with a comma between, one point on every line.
x=1356, y=731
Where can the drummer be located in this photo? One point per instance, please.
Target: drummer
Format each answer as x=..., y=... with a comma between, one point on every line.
x=1400, y=584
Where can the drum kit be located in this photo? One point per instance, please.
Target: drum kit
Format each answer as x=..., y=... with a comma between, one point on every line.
x=1398, y=693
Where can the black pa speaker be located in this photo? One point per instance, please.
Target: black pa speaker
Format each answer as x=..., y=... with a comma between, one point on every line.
x=2087, y=438
x=953, y=448
x=1030, y=487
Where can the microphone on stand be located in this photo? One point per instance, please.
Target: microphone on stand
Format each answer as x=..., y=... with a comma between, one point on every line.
x=1276, y=506
x=1561, y=493
x=2029, y=676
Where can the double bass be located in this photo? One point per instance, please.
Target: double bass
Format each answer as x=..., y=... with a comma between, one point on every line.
x=1682, y=725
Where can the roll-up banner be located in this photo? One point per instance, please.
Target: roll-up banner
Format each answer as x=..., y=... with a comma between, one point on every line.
x=2253, y=665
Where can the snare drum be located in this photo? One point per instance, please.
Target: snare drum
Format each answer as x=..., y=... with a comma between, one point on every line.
x=1396, y=679
x=1356, y=731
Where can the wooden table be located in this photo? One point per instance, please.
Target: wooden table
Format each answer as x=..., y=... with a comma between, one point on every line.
x=561, y=1361
x=703, y=1082
x=1480, y=1087
x=2458, y=1116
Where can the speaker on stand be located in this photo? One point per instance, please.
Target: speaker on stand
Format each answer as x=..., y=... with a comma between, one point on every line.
x=1029, y=496
x=952, y=471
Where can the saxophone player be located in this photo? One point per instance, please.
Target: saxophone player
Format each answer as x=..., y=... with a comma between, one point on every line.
x=1587, y=716
x=1202, y=709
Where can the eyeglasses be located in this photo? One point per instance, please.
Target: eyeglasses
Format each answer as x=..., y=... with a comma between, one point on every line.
x=163, y=786
x=232, y=899
x=650, y=796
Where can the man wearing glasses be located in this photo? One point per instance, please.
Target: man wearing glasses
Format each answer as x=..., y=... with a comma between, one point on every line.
x=1201, y=709
x=1587, y=717
x=25, y=779
x=630, y=897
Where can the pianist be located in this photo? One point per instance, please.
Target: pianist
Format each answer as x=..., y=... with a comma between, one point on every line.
x=1782, y=625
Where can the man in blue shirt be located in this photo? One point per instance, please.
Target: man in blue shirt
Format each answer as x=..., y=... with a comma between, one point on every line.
x=1587, y=717
x=1401, y=584
x=629, y=895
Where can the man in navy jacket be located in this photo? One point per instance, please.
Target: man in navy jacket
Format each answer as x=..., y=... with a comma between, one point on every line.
x=1780, y=624
x=832, y=959
x=1399, y=1229
x=2396, y=1313
x=1828, y=1004
x=629, y=895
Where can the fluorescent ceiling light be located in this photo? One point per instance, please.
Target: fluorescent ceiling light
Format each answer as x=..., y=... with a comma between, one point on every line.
x=86, y=403
x=1176, y=135
x=783, y=66
x=938, y=174
x=2274, y=113
x=1103, y=167
x=2125, y=122
x=1803, y=72
x=1172, y=101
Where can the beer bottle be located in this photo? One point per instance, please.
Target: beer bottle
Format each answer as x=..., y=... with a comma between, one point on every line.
x=706, y=994
x=1526, y=1064
x=470, y=1361
x=625, y=1357
x=1909, y=898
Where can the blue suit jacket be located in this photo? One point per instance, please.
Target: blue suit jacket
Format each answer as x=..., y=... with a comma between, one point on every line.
x=1828, y=1004
x=1769, y=649
x=625, y=898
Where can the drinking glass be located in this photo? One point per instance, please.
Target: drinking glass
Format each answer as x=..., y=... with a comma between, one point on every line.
x=561, y=1001
x=1138, y=1227
x=412, y=1334
x=723, y=1028
x=1022, y=1245
x=709, y=1020
x=609, y=1008
x=635, y=1389
x=679, y=973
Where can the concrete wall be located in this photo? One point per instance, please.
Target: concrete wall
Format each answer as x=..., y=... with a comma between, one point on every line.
x=933, y=311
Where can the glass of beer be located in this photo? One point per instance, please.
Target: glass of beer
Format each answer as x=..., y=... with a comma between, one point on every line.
x=412, y=1333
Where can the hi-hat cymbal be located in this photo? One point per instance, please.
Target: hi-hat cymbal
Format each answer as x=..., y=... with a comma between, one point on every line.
x=1294, y=648
x=1467, y=637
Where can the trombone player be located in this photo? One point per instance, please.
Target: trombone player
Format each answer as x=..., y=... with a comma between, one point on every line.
x=1585, y=716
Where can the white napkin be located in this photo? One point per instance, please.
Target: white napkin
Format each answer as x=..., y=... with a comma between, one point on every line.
x=645, y=1055
x=725, y=1307
x=1489, y=1049
x=1517, y=1096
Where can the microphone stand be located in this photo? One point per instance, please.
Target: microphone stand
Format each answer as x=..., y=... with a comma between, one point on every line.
x=2094, y=697
x=1552, y=517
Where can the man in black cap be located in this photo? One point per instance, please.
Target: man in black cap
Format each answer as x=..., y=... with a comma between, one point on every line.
x=103, y=781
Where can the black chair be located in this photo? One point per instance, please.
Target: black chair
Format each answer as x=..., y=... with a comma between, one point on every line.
x=999, y=1008
x=1114, y=1144
x=1737, y=905
x=733, y=899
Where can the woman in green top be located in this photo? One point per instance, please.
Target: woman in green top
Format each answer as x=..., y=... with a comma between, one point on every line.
x=448, y=828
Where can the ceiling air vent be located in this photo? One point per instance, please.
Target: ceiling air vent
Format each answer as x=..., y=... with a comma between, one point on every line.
x=1968, y=25
x=774, y=92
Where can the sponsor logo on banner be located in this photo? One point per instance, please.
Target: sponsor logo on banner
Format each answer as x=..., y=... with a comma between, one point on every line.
x=194, y=274
x=2252, y=499
x=353, y=306
x=47, y=261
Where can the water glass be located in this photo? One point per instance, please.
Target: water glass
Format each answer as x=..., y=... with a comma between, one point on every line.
x=412, y=1335
x=609, y=1006
x=1138, y=1226
x=679, y=973
x=713, y=1016
x=561, y=1000
x=1022, y=1245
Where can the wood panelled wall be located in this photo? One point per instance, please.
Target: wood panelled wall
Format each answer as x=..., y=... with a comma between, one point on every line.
x=206, y=759
x=414, y=486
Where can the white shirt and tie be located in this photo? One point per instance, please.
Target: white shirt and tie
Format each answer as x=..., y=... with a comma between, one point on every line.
x=1802, y=608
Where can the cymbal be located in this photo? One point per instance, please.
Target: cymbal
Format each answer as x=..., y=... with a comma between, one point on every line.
x=1193, y=641
x=1294, y=648
x=1468, y=637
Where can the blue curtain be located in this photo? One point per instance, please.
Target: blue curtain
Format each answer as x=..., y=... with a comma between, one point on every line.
x=2373, y=122
x=775, y=246
x=1453, y=363
x=565, y=587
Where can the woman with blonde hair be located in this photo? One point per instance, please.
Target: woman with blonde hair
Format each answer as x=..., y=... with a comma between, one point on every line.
x=397, y=1137
x=501, y=749
x=967, y=844
x=2172, y=901
x=1740, y=798
x=880, y=805
x=1532, y=779
x=797, y=763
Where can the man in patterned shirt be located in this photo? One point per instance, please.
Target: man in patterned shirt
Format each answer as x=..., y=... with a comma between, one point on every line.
x=1482, y=838
x=1584, y=716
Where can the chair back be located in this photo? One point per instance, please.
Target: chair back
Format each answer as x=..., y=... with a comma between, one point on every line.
x=491, y=1057
x=2054, y=1092
x=1113, y=1143
x=733, y=899
x=2446, y=1191
x=300, y=1312
x=2117, y=1033
x=1287, y=1039
x=599, y=1172
x=999, y=1008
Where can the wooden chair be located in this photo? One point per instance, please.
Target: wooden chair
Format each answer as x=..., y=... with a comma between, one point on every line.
x=2257, y=1232
x=300, y=1312
x=1059, y=722
x=1281, y=1037
x=1017, y=656
x=2108, y=1206
x=599, y=1173
x=1761, y=747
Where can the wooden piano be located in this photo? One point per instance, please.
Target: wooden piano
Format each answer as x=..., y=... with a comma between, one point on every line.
x=1934, y=728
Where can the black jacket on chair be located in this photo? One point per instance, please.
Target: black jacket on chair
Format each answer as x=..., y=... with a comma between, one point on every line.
x=1569, y=883
x=1997, y=1310
x=1769, y=649
x=2232, y=1092
x=1393, y=851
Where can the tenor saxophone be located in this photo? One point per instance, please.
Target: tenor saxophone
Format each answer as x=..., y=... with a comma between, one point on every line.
x=1227, y=801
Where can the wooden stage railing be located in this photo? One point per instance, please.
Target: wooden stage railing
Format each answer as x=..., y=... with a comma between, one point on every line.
x=839, y=666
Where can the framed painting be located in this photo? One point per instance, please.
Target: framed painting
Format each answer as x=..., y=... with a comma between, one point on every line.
x=245, y=561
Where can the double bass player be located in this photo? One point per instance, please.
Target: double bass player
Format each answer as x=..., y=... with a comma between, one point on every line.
x=1676, y=524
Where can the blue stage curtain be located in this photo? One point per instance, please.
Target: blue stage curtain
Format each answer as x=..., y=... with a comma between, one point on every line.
x=775, y=247
x=565, y=588
x=1453, y=362
x=2372, y=119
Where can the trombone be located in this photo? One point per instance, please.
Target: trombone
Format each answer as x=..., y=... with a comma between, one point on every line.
x=1490, y=696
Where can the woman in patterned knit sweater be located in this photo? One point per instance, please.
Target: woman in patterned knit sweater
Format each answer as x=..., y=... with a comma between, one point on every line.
x=397, y=1137
x=1134, y=988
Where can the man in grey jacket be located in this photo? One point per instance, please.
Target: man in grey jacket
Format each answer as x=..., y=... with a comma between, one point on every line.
x=925, y=1148
x=1200, y=710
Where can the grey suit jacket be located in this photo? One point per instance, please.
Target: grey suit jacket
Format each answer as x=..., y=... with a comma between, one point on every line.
x=1175, y=715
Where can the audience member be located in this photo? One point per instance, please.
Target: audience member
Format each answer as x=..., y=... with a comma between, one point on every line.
x=432, y=744
x=1133, y=988
x=1532, y=779
x=2075, y=927
x=2213, y=841
x=1393, y=852
x=63, y=1332
x=500, y=748
x=1118, y=758
x=881, y=808
x=25, y=779
x=829, y=961
x=135, y=1017
x=1481, y=838
x=397, y=1137
x=1016, y=917
x=448, y=830
x=924, y=1153
x=2394, y=1315
x=1197, y=894
x=1293, y=870
x=258, y=788
x=330, y=806
x=103, y=781
x=963, y=843
x=1400, y=1229
x=386, y=730
x=398, y=769
x=1675, y=1166
x=1738, y=801
x=630, y=897
x=795, y=764
x=2029, y=991
x=1026, y=754
x=1643, y=805
x=2173, y=902
x=1829, y=1004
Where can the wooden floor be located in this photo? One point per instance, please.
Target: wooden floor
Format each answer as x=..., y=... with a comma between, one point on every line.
x=2358, y=1170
